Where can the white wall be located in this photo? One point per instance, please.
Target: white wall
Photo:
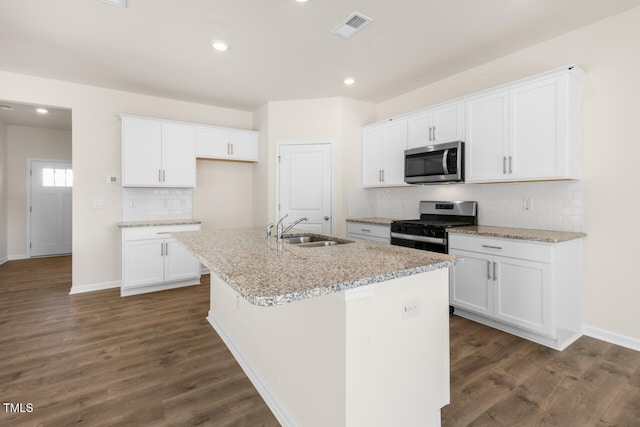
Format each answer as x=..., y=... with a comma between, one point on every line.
x=609, y=51
x=97, y=154
x=261, y=192
x=3, y=192
x=335, y=119
x=22, y=143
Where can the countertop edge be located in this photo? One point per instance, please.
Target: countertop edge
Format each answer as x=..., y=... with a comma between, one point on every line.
x=157, y=223
x=566, y=235
x=372, y=220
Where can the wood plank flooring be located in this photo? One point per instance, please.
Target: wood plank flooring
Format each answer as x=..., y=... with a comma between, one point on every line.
x=152, y=360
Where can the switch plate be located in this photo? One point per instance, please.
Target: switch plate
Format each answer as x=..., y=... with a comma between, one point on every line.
x=527, y=204
x=410, y=308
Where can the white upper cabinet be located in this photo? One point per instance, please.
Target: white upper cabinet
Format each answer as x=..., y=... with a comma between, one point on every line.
x=383, y=147
x=227, y=144
x=157, y=154
x=437, y=125
x=529, y=130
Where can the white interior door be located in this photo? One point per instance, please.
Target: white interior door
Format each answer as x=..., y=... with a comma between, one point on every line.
x=50, y=188
x=305, y=185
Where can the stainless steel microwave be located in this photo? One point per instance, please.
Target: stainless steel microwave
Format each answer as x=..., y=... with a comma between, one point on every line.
x=435, y=164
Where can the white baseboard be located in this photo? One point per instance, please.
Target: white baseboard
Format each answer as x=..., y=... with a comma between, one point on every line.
x=612, y=337
x=126, y=292
x=3, y=260
x=280, y=411
x=92, y=287
x=204, y=270
x=17, y=257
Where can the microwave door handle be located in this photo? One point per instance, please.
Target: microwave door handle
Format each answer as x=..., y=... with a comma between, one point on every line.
x=445, y=159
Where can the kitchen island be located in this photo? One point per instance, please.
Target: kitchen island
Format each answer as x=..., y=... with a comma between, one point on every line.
x=353, y=334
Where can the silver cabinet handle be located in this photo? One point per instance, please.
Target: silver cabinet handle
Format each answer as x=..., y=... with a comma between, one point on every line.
x=504, y=165
x=166, y=248
x=492, y=247
x=162, y=249
x=159, y=175
x=430, y=133
x=164, y=176
x=366, y=230
x=495, y=276
x=231, y=145
x=434, y=133
x=488, y=270
x=382, y=175
x=510, y=161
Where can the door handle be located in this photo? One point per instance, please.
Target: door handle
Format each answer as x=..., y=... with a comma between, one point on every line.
x=495, y=276
x=326, y=217
x=445, y=160
x=488, y=270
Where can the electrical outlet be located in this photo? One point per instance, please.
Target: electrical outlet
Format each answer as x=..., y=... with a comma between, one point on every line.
x=527, y=204
x=410, y=308
x=132, y=203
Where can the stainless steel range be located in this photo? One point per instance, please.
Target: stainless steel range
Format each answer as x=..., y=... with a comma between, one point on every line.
x=429, y=233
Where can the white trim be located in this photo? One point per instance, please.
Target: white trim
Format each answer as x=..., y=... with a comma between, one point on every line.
x=204, y=270
x=17, y=257
x=612, y=337
x=280, y=411
x=27, y=208
x=92, y=287
x=144, y=289
x=3, y=260
x=332, y=144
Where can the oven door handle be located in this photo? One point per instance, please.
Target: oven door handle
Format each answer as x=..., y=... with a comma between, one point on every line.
x=445, y=160
x=419, y=238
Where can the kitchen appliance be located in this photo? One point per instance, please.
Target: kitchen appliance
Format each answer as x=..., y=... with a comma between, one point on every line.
x=435, y=164
x=429, y=233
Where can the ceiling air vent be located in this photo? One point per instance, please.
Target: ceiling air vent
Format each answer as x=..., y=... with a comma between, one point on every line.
x=354, y=23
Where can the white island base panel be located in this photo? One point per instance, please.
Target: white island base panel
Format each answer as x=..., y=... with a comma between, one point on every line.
x=360, y=357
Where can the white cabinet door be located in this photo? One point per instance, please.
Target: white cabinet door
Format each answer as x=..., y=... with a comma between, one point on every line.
x=395, y=145
x=537, y=129
x=448, y=123
x=487, y=126
x=420, y=130
x=178, y=155
x=244, y=146
x=471, y=282
x=522, y=293
x=213, y=142
x=180, y=264
x=373, y=151
x=141, y=153
x=144, y=263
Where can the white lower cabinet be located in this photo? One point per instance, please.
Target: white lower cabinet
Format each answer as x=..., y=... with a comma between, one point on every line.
x=530, y=289
x=152, y=260
x=374, y=232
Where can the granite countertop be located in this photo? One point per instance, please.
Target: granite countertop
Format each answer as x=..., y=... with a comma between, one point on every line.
x=373, y=220
x=546, y=236
x=254, y=266
x=157, y=223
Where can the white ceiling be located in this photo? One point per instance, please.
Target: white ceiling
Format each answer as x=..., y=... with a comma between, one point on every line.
x=26, y=115
x=280, y=49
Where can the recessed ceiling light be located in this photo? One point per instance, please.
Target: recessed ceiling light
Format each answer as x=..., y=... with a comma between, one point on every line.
x=220, y=45
x=6, y=107
x=349, y=81
x=301, y=1
x=42, y=110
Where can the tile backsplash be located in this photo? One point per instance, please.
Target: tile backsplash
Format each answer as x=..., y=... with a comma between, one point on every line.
x=555, y=205
x=139, y=204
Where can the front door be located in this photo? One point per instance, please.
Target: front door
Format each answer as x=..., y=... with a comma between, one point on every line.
x=49, y=213
x=305, y=185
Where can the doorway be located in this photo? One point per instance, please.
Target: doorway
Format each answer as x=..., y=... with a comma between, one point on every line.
x=304, y=185
x=50, y=184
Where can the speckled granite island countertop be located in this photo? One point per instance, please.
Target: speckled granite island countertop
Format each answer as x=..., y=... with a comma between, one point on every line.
x=545, y=236
x=157, y=223
x=254, y=266
x=372, y=220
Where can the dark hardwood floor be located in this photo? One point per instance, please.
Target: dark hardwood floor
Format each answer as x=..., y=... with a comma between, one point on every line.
x=152, y=360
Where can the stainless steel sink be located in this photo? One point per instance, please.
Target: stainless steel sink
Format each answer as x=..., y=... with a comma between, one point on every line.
x=315, y=241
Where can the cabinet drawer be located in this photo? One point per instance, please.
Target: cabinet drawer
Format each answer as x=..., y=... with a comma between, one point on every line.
x=369, y=230
x=158, y=232
x=533, y=251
